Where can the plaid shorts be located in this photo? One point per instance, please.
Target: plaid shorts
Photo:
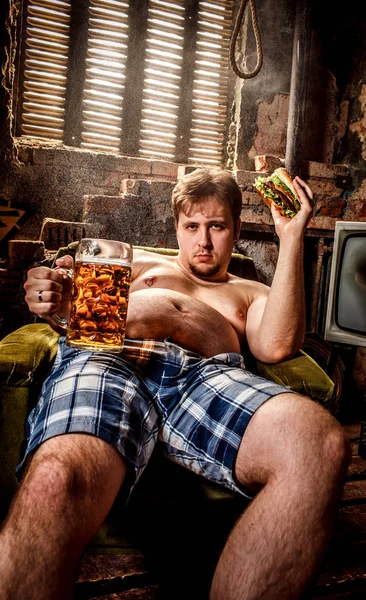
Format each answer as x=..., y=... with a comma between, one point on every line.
x=195, y=408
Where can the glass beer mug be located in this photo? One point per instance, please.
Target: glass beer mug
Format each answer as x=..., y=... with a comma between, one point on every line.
x=100, y=291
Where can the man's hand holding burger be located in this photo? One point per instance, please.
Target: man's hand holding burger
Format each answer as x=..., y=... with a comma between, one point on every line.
x=290, y=200
x=298, y=223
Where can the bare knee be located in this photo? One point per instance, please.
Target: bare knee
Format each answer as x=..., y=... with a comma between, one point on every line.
x=74, y=467
x=292, y=436
x=53, y=479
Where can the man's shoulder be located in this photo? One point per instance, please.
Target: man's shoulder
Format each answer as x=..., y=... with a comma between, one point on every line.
x=145, y=259
x=149, y=256
x=241, y=282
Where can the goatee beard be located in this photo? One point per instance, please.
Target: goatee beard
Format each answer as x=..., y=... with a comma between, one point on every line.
x=206, y=272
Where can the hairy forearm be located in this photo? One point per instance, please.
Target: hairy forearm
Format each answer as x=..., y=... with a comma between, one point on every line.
x=282, y=327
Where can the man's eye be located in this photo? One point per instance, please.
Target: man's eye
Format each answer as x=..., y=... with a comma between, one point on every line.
x=217, y=226
x=192, y=227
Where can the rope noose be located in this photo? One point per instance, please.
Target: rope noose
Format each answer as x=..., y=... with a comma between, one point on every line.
x=244, y=74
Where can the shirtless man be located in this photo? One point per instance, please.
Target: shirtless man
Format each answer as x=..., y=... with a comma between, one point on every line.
x=190, y=393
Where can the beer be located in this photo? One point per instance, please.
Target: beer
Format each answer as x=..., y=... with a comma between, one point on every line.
x=99, y=304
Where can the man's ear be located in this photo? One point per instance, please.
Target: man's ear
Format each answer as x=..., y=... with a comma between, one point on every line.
x=237, y=229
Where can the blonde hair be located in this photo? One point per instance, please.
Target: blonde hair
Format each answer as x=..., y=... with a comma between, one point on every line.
x=204, y=183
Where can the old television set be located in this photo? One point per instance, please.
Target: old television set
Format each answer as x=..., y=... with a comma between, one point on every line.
x=345, y=321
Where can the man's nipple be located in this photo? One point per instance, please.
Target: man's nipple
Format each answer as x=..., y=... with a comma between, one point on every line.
x=150, y=281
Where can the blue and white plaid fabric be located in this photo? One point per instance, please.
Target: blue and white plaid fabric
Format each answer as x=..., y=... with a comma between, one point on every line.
x=196, y=409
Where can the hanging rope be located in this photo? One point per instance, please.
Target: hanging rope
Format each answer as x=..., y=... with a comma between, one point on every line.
x=244, y=74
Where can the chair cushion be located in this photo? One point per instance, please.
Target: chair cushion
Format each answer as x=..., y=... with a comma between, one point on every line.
x=303, y=375
x=26, y=355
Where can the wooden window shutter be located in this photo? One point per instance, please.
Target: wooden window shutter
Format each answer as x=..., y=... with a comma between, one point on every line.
x=45, y=68
x=162, y=78
x=105, y=74
x=144, y=78
x=210, y=86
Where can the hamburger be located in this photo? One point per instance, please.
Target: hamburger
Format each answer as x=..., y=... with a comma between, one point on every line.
x=278, y=188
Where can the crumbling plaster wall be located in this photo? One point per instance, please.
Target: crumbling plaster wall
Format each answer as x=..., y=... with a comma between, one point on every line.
x=54, y=181
x=335, y=102
x=261, y=127
x=8, y=47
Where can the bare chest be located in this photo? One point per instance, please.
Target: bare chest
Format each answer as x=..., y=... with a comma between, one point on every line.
x=226, y=298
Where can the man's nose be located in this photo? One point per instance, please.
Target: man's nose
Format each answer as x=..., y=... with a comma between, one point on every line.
x=205, y=238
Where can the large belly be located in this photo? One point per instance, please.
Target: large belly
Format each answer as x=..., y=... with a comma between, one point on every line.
x=158, y=313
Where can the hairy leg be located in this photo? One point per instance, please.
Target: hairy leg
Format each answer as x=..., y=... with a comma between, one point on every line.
x=295, y=453
x=65, y=495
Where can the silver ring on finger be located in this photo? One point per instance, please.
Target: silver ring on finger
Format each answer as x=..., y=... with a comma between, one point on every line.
x=40, y=296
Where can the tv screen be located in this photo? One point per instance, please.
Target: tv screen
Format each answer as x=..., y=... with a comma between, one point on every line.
x=346, y=309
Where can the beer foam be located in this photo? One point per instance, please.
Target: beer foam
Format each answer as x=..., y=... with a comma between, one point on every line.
x=93, y=260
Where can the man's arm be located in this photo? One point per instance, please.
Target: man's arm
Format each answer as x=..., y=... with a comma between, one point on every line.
x=56, y=286
x=276, y=321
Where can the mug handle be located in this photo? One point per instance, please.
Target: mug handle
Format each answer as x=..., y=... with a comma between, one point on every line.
x=56, y=319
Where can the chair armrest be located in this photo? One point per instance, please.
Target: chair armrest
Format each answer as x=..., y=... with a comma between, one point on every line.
x=26, y=357
x=304, y=375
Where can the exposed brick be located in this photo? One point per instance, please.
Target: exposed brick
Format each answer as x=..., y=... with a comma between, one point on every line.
x=23, y=252
x=103, y=204
x=134, y=186
x=264, y=254
x=83, y=175
x=266, y=162
x=139, y=220
x=92, y=161
x=161, y=189
x=92, y=190
x=356, y=211
x=184, y=170
x=322, y=187
x=322, y=223
x=149, y=189
x=25, y=154
x=251, y=198
x=44, y=156
x=329, y=207
x=322, y=170
x=132, y=166
x=245, y=178
x=111, y=180
x=56, y=233
x=260, y=214
x=164, y=168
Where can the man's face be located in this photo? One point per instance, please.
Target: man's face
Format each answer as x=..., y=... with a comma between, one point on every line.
x=206, y=234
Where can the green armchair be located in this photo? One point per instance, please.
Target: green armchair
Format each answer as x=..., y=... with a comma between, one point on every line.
x=26, y=356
